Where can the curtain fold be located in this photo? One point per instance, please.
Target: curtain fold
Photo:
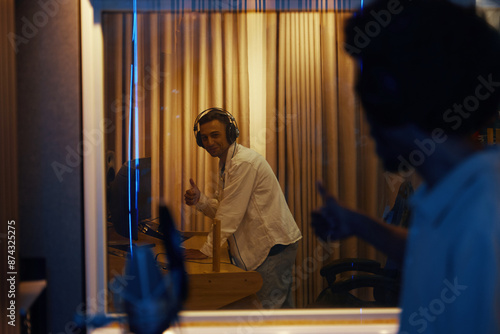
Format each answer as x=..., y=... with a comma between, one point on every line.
x=298, y=153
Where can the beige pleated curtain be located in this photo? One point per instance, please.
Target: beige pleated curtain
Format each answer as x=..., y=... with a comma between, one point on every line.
x=189, y=61
x=321, y=136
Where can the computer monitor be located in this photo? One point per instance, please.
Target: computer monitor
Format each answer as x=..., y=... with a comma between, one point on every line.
x=130, y=197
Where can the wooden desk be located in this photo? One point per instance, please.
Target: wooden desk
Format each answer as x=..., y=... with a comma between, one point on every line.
x=232, y=287
x=210, y=290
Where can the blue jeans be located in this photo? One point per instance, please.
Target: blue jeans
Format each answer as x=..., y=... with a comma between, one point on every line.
x=277, y=276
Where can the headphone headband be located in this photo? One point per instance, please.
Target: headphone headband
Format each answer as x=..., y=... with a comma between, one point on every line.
x=232, y=131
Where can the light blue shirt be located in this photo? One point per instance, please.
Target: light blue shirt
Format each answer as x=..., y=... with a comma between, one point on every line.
x=452, y=266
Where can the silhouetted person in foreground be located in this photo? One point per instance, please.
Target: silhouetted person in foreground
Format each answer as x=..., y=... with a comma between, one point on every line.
x=429, y=79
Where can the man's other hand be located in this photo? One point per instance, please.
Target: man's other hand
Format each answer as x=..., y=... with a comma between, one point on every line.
x=192, y=195
x=331, y=221
x=194, y=254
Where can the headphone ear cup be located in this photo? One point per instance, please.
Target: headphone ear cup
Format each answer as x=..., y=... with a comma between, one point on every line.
x=232, y=133
x=198, y=140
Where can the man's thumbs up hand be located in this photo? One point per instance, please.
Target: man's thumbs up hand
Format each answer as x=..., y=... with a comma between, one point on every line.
x=192, y=195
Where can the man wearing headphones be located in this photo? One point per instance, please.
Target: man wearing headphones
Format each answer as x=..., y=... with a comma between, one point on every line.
x=255, y=218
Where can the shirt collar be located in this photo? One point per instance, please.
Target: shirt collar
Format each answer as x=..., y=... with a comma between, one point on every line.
x=431, y=203
x=231, y=152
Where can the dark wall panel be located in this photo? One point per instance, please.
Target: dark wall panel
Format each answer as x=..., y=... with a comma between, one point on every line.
x=49, y=130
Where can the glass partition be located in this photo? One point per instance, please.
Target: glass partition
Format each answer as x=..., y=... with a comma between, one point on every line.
x=285, y=75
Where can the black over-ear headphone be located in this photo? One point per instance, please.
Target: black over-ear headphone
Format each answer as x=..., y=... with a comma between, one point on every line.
x=232, y=131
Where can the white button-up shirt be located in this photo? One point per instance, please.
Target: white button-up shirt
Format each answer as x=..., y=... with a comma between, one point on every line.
x=252, y=209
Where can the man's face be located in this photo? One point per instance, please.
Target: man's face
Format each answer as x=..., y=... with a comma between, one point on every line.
x=214, y=139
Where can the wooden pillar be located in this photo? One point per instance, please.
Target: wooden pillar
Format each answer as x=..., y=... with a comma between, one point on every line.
x=216, y=246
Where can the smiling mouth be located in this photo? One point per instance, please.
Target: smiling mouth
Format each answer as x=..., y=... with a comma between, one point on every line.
x=212, y=150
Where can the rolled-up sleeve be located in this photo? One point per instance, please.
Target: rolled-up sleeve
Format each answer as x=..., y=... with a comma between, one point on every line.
x=208, y=206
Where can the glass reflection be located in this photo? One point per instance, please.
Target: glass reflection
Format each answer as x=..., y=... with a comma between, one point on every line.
x=284, y=70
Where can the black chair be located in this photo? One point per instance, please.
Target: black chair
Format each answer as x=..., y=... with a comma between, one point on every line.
x=385, y=280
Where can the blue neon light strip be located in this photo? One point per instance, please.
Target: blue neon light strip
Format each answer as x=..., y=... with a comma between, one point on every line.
x=136, y=82
x=129, y=170
x=361, y=62
x=133, y=135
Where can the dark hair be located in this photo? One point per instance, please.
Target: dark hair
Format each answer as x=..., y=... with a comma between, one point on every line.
x=421, y=61
x=214, y=114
